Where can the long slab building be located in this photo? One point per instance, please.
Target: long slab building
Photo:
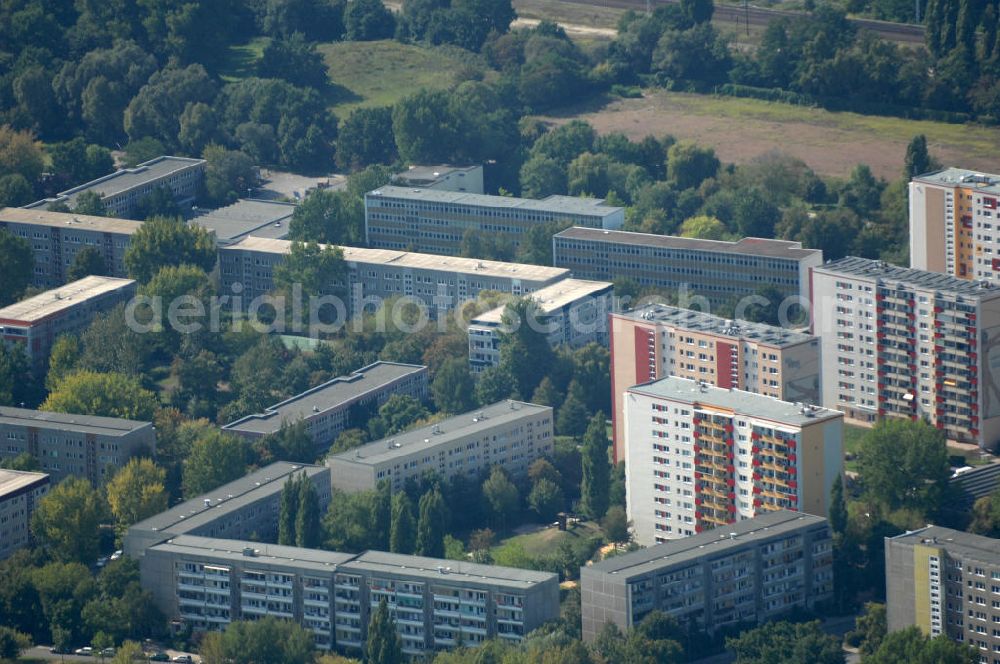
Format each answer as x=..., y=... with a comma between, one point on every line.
x=326, y=409
x=57, y=237
x=509, y=434
x=374, y=275
x=20, y=492
x=721, y=272
x=435, y=221
x=68, y=445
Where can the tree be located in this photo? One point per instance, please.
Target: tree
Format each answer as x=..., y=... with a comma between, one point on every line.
x=368, y=20
x=15, y=191
x=66, y=521
x=543, y=176
x=689, y=165
x=90, y=203
x=571, y=418
x=215, y=459
x=524, y=346
x=870, y=629
x=229, y=174
x=77, y=162
x=398, y=412
x=453, y=387
x=331, y=217
x=704, y=227
x=838, y=507
x=269, y=639
x=20, y=153
x=918, y=159
x=382, y=515
x=698, y=11
x=426, y=129
x=12, y=643
x=494, y=384
x=615, y=524
x=402, y=536
x=88, y=261
x=288, y=509
x=596, y=469
x=18, y=262
x=128, y=652
x=904, y=466
x=294, y=59
x=162, y=241
x=307, y=528
x=431, y=525
x=502, y=497
x=106, y=394
x=788, y=643
x=383, y=645
x=199, y=126
x=546, y=499
x=754, y=213
x=156, y=109
x=17, y=387
x=137, y=492
x=317, y=270
x=365, y=137
x=914, y=647
x=986, y=515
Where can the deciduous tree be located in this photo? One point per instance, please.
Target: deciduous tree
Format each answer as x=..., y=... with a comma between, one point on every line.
x=66, y=520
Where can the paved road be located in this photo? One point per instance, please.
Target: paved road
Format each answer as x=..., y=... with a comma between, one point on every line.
x=42, y=652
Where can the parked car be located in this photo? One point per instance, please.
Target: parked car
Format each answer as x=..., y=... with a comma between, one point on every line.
x=86, y=651
x=117, y=554
x=108, y=652
x=159, y=656
x=183, y=659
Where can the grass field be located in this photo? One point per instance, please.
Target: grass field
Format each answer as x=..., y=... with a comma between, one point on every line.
x=545, y=543
x=852, y=442
x=832, y=143
x=382, y=72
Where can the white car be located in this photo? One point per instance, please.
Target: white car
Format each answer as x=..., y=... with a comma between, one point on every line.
x=86, y=651
x=183, y=659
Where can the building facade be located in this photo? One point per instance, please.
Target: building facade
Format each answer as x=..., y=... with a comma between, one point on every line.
x=572, y=312
x=900, y=342
x=656, y=341
x=57, y=237
x=947, y=582
x=19, y=494
x=67, y=445
x=435, y=221
x=749, y=572
x=509, y=434
x=955, y=224
x=436, y=604
x=327, y=409
x=719, y=272
x=699, y=457
x=123, y=191
x=374, y=275
x=35, y=323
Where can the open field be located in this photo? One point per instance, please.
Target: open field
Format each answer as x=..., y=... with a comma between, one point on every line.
x=545, y=542
x=380, y=73
x=832, y=143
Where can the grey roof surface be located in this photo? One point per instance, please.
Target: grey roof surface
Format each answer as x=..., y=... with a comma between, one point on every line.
x=454, y=571
x=102, y=426
x=874, y=270
x=39, y=307
x=15, y=480
x=748, y=403
x=264, y=554
x=985, y=182
x=125, y=179
x=708, y=543
x=453, y=428
x=750, y=246
x=247, y=216
x=552, y=298
x=424, y=175
x=229, y=497
x=69, y=220
x=978, y=482
x=703, y=322
x=552, y=204
x=978, y=547
x=331, y=394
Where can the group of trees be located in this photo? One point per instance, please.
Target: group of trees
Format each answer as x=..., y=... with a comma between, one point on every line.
x=299, y=515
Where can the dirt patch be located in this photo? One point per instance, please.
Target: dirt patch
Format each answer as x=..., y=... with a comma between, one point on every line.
x=830, y=143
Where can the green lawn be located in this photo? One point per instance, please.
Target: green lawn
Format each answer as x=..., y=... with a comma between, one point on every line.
x=242, y=59
x=545, y=543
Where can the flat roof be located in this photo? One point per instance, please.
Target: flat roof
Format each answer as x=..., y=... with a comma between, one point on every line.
x=750, y=246
x=875, y=270
x=447, y=571
x=429, y=174
x=43, y=305
x=324, y=397
x=738, y=401
x=702, y=322
x=68, y=220
x=415, y=261
x=227, y=498
x=440, y=433
x=975, y=546
x=263, y=554
x=102, y=426
x=247, y=216
x=552, y=298
x=552, y=204
x=708, y=543
x=12, y=481
x=985, y=182
x=125, y=179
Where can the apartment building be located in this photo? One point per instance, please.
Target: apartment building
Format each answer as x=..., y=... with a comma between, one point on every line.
x=57, y=237
x=36, y=322
x=656, y=341
x=947, y=582
x=699, y=457
x=748, y=572
x=573, y=312
x=955, y=223
x=434, y=221
x=720, y=272
x=374, y=275
x=124, y=190
x=68, y=445
x=509, y=434
x=244, y=509
x=899, y=342
x=442, y=178
x=19, y=494
x=436, y=604
x=330, y=408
